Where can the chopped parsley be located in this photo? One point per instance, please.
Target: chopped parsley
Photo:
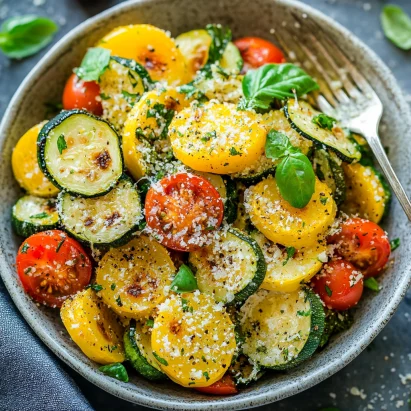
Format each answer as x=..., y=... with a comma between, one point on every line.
x=159, y=359
x=234, y=152
x=40, y=215
x=95, y=287
x=131, y=98
x=304, y=313
x=328, y=290
x=290, y=254
x=119, y=302
x=59, y=245
x=113, y=286
x=323, y=199
x=207, y=377
x=24, y=248
x=186, y=307
x=395, y=243
x=372, y=284
x=150, y=323
x=208, y=136
x=61, y=143
x=324, y=121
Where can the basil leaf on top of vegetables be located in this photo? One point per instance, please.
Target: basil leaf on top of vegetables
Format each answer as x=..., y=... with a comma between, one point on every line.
x=274, y=81
x=294, y=175
x=184, y=281
x=23, y=36
x=93, y=64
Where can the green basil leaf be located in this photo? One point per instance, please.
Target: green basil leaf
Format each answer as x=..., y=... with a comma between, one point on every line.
x=274, y=81
x=372, y=284
x=397, y=26
x=296, y=179
x=277, y=145
x=115, y=370
x=93, y=64
x=184, y=281
x=23, y=36
x=324, y=121
x=395, y=244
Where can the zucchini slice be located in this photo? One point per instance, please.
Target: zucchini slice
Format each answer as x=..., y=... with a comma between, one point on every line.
x=286, y=273
x=253, y=174
x=137, y=346
x=244, y=371
x=328, y=168
x=282, y=329
x=368, y=195
x=32, y=214
x=80, y=153
x=110, y=219
x=301, y=115
x=136, y=278
x=194, y=46
x=121, y=86
x=231, y=268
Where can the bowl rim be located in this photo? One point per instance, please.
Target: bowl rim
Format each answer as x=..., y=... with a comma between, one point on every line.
x=254, y=399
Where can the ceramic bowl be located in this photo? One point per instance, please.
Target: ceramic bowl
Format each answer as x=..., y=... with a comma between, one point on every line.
x=45, y=83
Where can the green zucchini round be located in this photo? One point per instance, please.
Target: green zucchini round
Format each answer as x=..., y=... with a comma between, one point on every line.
x=109, y=220
x=231, y=201
x=300, y=323
x=301, y=115
x=32, y=214
x=138, y=351
x=80, y=153
x=239, y=263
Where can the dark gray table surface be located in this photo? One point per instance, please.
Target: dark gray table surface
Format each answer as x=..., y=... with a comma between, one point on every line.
x=373, y=380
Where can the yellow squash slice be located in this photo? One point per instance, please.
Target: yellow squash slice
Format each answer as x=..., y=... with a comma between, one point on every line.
x=151, y=47
x=93, y=327
x=286, y=225
x=217, y=138
x=193, y=339
x=25, y=166
x=366, y=195
x=136, y=277
x=145, y=141
x=285, y=273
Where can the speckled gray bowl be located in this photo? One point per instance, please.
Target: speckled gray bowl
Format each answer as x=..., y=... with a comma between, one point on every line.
x=257, y=17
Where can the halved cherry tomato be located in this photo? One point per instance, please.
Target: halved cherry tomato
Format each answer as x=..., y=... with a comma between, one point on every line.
x=225, y=386
x=256, y=52
x=364, y=244
x=339, y=284
x=82, y=94
x=52, y=266
x=182, y=209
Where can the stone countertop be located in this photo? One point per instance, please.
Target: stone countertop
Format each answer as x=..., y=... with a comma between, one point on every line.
x=373, y=380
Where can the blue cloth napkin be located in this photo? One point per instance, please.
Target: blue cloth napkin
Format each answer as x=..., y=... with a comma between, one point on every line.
x=30, y=377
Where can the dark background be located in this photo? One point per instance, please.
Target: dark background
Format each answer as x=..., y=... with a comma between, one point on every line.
x=370, y=382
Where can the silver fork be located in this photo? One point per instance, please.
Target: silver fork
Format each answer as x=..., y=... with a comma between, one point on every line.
x=344, y=92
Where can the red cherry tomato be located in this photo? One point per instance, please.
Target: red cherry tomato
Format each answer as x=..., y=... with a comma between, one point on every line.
x=182, y=209
x=82, y=94
x=225, y=386
x=256, y=52
x=339, y=285
x=364, y=244
x=52, y=266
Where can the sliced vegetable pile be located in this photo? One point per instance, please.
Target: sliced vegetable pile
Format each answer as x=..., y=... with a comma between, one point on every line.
x=189, y=212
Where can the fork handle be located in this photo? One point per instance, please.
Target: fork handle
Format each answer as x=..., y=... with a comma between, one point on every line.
x=379, y=152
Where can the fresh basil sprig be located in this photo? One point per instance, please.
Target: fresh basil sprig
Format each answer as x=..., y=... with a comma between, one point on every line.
x=184, y=281
x=274, y=81
x=294, y=175
x=115, y=370
x=93, y=64
x=397, y=26
x=23, y=36
x=324, y=121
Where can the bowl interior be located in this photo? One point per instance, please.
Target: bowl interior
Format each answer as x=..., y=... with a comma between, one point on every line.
x=257, y=18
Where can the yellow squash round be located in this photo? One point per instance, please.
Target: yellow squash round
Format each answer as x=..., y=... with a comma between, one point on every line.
x=284, y=224
x=145, y=138
x=93, y=327
x=193, y=339
x=25, y=166
x=217, y=138
x=136, y=277
x=151, y=47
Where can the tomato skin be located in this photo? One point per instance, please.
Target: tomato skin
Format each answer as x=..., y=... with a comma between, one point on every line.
x=52, y=266
x=364, y=244
x=182, y=209
x=256, y=52
x=225, y=386
x=333, y=285
x=82, y=94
